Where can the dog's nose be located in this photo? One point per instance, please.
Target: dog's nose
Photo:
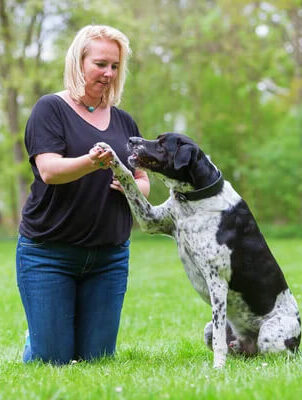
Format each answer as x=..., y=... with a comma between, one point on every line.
x=135, y=140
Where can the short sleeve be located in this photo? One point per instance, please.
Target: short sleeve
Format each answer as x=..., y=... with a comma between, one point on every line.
x=44, y=131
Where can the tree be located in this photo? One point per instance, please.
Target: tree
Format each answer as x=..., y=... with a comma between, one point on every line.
x=24, y=29
x=225, y=72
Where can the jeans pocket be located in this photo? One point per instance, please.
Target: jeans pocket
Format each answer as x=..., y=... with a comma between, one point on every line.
x=26, y=242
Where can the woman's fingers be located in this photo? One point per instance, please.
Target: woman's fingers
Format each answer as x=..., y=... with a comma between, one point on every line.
x=115, y=184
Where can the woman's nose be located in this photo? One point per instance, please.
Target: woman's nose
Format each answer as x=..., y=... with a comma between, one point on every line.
x=108, y=71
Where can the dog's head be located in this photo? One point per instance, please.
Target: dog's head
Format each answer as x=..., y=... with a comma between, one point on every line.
x=173, y=156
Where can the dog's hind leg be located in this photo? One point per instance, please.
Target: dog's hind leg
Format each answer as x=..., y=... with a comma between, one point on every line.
x=279, y=333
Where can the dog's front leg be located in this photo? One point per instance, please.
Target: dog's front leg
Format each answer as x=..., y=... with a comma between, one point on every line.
x=121, y=172
x=119, y=169
x=152, y=219
x=218, y=289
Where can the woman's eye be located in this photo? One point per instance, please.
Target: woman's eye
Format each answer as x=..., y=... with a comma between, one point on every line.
x=101, y=65
x=114, y=67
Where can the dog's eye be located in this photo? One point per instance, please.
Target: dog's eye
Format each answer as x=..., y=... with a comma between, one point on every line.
x=160, y=139
x=160, y=148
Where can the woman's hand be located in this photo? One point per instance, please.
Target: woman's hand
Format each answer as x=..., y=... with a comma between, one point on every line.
x=100, y=158
x=116, y=185
x=98, y=155
x=141, y=179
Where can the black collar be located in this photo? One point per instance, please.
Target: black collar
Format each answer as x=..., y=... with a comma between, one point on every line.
x=203, y=193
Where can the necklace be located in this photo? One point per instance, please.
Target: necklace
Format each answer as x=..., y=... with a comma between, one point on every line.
x=90, y=108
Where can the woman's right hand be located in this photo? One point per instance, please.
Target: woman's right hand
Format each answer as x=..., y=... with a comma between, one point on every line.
x=100, y=157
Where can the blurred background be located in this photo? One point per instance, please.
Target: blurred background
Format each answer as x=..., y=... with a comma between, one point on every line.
x=228, y=73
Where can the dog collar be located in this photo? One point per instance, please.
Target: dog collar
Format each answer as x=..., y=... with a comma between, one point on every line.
x=203, y=193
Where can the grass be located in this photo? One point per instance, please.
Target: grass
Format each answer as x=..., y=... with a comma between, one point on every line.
x=160, y=354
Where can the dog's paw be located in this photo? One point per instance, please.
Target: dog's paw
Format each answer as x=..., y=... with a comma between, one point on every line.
x=104, y=146
x=219, y=364
x=234, y=346
x=219, y=361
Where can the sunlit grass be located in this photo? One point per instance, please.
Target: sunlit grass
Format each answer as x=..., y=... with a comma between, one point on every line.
x=160, y=352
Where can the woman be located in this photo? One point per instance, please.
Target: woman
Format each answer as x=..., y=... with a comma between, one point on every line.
x=73, y=248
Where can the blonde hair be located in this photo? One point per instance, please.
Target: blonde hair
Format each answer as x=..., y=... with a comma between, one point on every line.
x=74, y=80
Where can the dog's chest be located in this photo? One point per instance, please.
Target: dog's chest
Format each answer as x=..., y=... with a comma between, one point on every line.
x=202, y=256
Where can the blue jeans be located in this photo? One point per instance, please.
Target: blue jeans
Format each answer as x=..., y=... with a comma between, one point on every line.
x=73, y=297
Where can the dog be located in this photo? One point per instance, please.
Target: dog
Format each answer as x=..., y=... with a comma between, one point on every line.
x=221, y=247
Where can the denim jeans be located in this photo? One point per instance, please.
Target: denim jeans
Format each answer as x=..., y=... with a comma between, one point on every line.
x=72, y=298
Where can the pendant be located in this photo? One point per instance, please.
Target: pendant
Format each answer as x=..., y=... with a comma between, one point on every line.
x=90, y=109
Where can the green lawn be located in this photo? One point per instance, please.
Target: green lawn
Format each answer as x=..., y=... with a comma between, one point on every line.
x=160, y=354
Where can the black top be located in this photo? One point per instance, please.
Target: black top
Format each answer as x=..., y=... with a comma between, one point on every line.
x=85, y=212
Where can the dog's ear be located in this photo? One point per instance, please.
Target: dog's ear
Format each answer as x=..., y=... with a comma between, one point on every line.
x=184, y=155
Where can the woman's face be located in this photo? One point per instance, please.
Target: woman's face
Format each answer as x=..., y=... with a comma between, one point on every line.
x=100, y=66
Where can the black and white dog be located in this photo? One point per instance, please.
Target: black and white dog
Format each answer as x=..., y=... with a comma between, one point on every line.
x=224, y=254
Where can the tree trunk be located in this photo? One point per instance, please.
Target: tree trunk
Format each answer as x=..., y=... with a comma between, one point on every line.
x=14, y=127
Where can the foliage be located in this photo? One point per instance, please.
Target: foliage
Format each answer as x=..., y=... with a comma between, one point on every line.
x=227, y=73
x=161, y=354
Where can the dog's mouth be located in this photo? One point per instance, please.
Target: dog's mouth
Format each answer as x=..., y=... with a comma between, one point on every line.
x=143, y=161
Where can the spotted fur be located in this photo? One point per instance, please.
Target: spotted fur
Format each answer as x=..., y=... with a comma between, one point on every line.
x=223, y=252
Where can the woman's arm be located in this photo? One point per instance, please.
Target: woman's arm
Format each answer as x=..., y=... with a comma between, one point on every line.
x=142, y=181
x=55, y=169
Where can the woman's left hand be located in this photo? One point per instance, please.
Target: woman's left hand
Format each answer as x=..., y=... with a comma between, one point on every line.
x=116, y=185
x=141, y=179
